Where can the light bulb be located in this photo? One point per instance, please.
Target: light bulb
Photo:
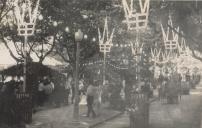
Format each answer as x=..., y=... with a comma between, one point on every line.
x=94, y=39
x=40, y=17
x=85, y=36
x=55, y=24
x=84, y=16
x=67, y=29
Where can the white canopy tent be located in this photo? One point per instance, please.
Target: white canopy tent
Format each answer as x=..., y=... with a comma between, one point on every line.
x=6, y=59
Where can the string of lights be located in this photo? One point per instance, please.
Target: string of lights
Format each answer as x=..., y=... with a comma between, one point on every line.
x=100, y=62
x=121, y=68
x=122, y=45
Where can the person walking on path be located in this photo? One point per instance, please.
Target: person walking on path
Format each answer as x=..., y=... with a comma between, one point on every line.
x=67, y=89
x=8, y=96
x=97, y=97
x=81, y=87
x=90, y=100
x=72, y=91
x=41, y=93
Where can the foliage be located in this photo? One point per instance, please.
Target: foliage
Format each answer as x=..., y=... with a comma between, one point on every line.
x=39, y=46
x=88, y=15
x=84, y=15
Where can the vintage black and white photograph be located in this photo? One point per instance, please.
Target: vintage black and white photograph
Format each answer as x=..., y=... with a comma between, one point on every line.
x=100, y=63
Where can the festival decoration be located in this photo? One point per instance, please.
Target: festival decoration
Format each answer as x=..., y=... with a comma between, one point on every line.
x=160, y=57
x=105, y=40
x=136, y=19
x=99, y=62
x=26, y=21
x=155, y=57
x=122, y=45
x=137, y=48
x=170, y=38
x=105, y=43
x=26, y=17
x=155, y=54
x=164, y=58
x=183, y=49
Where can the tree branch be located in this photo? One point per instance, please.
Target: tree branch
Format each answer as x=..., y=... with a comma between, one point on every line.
x=195, y=56
x=19, y=51
x=35, y=52
x=30, y=47
x=10, y=51
x=2, y=9
x=63, y=57
x=50, y=50
x=187, y=37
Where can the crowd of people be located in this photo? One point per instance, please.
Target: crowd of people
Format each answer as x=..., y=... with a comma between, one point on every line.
x=45, y=87
x=8, y=91
x=172, y=86
x=48, y=92
x=63, y=93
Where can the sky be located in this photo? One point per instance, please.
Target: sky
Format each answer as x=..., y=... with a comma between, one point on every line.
x=6, y=59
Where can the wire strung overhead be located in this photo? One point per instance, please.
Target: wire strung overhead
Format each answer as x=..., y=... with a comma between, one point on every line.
x=100, y=62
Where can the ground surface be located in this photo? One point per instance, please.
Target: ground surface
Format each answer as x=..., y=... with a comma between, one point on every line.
x=186, y=114
x=62, y=117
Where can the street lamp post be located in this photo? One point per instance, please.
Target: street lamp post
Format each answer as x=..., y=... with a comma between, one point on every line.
x=137, y=50
x=78, y=39
x=26, y=21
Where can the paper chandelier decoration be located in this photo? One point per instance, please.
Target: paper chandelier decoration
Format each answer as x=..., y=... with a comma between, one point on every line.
x=135, y=19
x=170, y=38
x=105, y=40
x=137, y=48
x=26, y=17
x=160, y=57
x=155, y=55
x=183, y=49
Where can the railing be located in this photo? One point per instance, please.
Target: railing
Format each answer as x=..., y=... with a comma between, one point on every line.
x=23, y=105
x=139, y=116
x=15, y=109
